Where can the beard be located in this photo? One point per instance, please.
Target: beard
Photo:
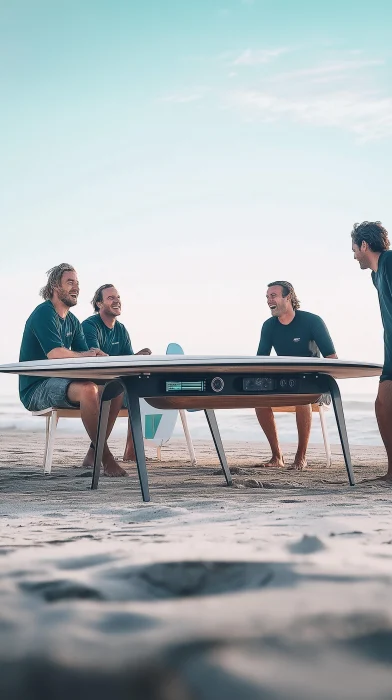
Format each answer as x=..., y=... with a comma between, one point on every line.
x=66, y=298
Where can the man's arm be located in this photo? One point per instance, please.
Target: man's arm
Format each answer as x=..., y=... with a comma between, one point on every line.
x=46, y=331
x=61, y=352
x=323, y=339
x=265, y=344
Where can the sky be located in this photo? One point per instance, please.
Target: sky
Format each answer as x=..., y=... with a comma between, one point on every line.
x=190, y=153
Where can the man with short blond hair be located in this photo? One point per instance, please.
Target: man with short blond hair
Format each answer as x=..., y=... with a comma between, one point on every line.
x=53, y=332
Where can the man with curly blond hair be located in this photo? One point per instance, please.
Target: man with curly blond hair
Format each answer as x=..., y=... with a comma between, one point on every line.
x=53, y=332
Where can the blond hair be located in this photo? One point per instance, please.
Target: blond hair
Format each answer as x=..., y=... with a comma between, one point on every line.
x=54, y=279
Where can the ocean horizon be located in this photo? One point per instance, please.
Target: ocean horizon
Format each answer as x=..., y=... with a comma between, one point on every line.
x=236, y=424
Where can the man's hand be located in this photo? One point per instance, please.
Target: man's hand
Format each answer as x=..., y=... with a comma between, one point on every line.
x=99, y=353
x=93, y=352
x=145, y=351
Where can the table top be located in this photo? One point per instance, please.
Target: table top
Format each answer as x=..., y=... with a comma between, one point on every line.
x=128, y=365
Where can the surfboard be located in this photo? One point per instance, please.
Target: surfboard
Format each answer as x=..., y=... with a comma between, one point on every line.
x=158, y=425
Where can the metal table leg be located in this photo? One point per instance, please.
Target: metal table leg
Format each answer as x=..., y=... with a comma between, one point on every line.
x=106, y=400
x=213, y=425
x=135, y=424
x=338, y=408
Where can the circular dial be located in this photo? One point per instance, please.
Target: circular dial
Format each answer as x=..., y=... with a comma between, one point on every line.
x=217, y=384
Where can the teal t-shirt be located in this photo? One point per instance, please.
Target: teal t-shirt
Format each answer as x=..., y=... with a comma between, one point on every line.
x=44, y=331
x=113, y=341
x=382, y=280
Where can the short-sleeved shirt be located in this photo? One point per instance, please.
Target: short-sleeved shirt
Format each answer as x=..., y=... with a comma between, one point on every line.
x=44, y=331
x=382, y=280
x=113, y=341
x=306, y=336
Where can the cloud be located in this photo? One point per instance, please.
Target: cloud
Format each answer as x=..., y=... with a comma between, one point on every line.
x=329, y=71
x=251, y=57
x=368, y=115
x=182, y=98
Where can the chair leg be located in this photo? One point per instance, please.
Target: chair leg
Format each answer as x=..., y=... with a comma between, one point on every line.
x=188, y=438
x=324, y=429
x=50, y=446
x=47, y=428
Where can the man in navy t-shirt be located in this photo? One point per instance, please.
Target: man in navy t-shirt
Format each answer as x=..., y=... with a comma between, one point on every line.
x=370, y=245
x=291, y=333
x=53, y=332
x=104, y=331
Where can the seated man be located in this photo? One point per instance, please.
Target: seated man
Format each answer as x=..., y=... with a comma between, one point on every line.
x=292, y=333
x=53, y=332
x=103, y=331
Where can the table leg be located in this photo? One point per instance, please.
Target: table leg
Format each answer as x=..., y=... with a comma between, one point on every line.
x=106, y=400
x=213, y=425
x=338, y=408
x=135, y=424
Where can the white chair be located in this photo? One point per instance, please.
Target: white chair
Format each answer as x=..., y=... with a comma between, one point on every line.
x=157, y=425
x=53, y=414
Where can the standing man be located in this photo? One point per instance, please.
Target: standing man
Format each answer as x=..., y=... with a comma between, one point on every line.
x=370, y=245
x=297, y=334
x=103, y=331
x=53, y=332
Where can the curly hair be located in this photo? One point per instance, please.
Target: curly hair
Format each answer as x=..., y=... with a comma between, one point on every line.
x=373, y=233
x=98, y=296
x=54, y=279
x=287, y=289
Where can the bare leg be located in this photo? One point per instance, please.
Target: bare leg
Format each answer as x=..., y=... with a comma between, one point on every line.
x=87, y=395
x=304, y=423
x=129, y=453
x=384, y=420
x=266, y=419
x=113, y=413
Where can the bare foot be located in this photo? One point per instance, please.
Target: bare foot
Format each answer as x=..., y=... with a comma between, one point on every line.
x=273, y=462
x=111, y=468
x=298, y=465
x=129, y=455
x=89, y=458
x=386, y=477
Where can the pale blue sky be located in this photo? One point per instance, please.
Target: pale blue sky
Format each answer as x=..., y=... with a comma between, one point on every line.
x=190, y=152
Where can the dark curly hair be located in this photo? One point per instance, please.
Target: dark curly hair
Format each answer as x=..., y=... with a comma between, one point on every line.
x=373, y=233
x=287, y=289
x=98, y=296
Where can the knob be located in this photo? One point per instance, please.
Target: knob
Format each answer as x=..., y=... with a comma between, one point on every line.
x=217, y=384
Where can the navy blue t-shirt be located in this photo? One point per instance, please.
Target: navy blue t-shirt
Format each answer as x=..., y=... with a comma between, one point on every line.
x=382, y=280
x=44, y=331
x=306, y=336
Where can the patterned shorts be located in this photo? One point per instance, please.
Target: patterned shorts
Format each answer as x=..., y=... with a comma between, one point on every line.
x=54, y=392
x=51, y=392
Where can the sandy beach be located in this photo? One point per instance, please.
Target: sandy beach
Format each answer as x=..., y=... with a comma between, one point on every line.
x=279, y=587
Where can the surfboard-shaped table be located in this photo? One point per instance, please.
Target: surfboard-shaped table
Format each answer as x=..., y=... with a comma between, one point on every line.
x=204, y=382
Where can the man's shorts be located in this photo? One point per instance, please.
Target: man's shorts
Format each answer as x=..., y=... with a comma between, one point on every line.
x=51, y=392
x=386, y=374
x=54, y=392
